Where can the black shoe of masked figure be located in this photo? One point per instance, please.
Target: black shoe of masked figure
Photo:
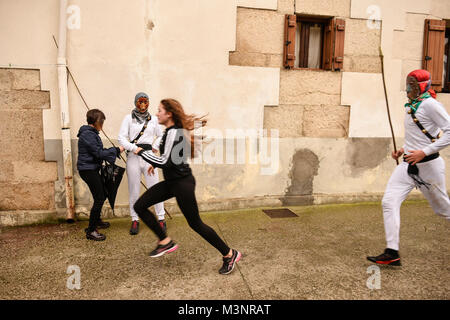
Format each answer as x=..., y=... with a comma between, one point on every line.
x=134, y=230
x=163, y=225
x=388, y=257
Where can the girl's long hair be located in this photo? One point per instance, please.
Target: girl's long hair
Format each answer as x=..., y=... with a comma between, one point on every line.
x=188, y=122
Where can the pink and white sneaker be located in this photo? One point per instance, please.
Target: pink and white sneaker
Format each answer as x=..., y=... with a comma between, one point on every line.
x=228, y=263
x=163, y=249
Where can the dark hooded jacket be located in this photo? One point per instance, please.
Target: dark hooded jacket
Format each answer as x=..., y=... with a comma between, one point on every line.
x=90, y=150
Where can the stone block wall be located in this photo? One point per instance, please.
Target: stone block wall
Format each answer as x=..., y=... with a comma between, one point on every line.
x=310, y=100
x=361, y=46
x=26, y=179
x=337, y=8
x=259, y=40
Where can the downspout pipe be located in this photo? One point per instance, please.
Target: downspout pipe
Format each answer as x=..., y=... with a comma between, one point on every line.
x=65, y=115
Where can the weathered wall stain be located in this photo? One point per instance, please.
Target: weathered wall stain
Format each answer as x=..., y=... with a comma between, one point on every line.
x=366, y=153
x=150, y=25
x=305, y=165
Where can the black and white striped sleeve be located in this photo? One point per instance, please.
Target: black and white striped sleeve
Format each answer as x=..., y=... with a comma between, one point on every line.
x=163, y=160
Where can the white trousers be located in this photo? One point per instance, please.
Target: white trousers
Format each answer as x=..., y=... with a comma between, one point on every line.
x=400, y=185
x=136, y=166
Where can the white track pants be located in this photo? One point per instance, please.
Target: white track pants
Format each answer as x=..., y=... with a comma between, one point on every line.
x=136, y=166
x=400, y=185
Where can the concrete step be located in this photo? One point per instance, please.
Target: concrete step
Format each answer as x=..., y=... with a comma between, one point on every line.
x=27, y=196
x=24, y=217
x=24, y=99
x=16, y=171
x=19, y=79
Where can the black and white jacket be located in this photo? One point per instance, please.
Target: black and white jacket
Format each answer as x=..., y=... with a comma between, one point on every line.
x=174, y=149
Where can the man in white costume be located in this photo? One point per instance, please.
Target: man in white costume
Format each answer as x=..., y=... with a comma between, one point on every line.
x=140, y=129
x=422, y=167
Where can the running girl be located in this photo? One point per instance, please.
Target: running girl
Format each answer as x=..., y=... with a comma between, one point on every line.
x=178, y=182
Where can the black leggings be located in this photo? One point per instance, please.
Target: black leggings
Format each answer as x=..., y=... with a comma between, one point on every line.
x=95, y=184
x=183, y=189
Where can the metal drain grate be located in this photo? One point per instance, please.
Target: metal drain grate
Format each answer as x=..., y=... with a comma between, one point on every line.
x=280, y=213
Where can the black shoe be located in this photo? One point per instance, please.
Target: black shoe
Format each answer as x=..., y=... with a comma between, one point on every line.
x=162, y=249
x=134, y=227
x=94, y=235
x=228, y=263
x=163, y=225
x=389, y=257
x=103, y=225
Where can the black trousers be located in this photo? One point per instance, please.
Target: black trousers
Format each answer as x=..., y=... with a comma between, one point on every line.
x=183, y=190
x=95, y=184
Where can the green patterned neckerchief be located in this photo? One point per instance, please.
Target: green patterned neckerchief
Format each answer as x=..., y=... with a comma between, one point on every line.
x=414, y=104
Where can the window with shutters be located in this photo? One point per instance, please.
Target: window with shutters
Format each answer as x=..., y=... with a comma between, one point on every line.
x=436, y=53
x=314, y=42
x=446, y=75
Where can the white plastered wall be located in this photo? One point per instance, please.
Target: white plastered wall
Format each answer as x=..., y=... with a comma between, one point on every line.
x=167, y=48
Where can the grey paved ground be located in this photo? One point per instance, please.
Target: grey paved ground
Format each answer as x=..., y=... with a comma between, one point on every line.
x=318, y=255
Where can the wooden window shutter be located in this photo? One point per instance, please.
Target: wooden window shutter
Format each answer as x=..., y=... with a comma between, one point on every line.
x=290, y=27
x=328, y=39
x=339, y=36
x=333, y=45
x=433, y=51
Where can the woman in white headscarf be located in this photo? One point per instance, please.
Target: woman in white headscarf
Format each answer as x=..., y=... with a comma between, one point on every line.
x=140, y=129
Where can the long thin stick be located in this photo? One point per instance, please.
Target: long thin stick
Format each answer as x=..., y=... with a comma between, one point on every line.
x=387, y=102
x=87, y=107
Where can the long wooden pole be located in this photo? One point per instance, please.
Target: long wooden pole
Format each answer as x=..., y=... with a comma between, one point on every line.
x=387, y=101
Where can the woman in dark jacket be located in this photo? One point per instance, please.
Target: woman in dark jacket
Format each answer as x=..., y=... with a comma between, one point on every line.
x=90, y=156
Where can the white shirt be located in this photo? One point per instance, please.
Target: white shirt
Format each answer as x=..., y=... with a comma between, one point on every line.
x=130, y=128
x=434, y=118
